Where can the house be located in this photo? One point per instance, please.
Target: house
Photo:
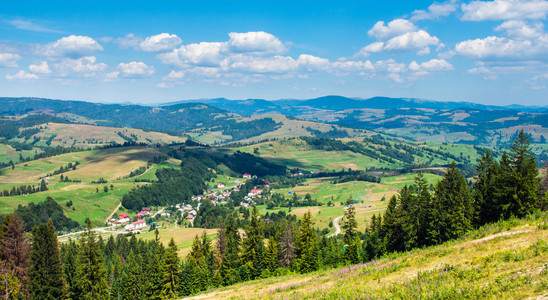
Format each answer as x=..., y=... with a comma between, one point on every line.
x=247, y=176
x=187, y=207
x=221, y=185
x=146, y=209
x=136, y=225
x=123, y=218
x=190, y=217
x=192, y=213
x=139, y=216
x=255, y=192
x=237, y=181
x=165, y=215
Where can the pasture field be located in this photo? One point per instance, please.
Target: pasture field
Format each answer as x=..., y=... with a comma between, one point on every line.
x=88, y=199
x=85, y=136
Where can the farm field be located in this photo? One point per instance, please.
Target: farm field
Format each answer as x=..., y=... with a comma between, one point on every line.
x=88, y=199
x=84, y=136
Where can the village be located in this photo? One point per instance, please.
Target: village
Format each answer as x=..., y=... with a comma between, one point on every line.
x=217, y=194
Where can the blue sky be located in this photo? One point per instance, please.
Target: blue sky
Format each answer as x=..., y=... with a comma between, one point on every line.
x=492, y=52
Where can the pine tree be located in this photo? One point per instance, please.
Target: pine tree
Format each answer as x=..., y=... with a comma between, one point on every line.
x=307, y=251
x=15, y=258
x=170, y=278
x=253, y=246
x=350, y=225
x=69, y=254
x=45, y=271
x=453, y=211
x=525, y=173
x=90, y=270
x=271, y=255
x=287, y=248
x=486, y=203
x=230, y=258
x=133, y=280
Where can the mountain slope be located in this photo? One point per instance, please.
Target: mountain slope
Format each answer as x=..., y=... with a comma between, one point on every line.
x=505, y=260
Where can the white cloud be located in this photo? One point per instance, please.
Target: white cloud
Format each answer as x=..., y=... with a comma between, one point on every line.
x=312, y=63
x=175, y=75
x=22, y=75
x=521, y=30
x=435, y=11
x=160, y=42
x=112, y=76
x=411, y=40
x=42, y=68
x=353, y=66
x=135, y=69
x=253, y=64
x=30, y=26
x=496, y=47
x=130, y=40
x=9, y=60
x=392, y=29
x=205, y=54
x=494, y=70
x=85, y=66
x=429, y=66
x=504, y=10
x=256, y=42
x=399, y=35
x=73, y=46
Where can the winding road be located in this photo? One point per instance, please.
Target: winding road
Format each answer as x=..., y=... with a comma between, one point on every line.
x=337, y=219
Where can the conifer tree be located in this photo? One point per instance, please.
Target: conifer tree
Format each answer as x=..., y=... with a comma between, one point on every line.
x=90, y=270
x=133, y=280
x=271, y=255
x=170, y=278
x=307, y=251
x=525, y=174
x=15, y=258
x=45, y=271
x=253, y=246
x=453, y=211
x=230, y=258
x=287, y=248
x=487, y=207
x=350, y=225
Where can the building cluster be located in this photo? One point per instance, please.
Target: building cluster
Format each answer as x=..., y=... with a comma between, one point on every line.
x=140, y=223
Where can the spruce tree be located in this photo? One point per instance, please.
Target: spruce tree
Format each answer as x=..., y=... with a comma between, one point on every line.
x=170, y=274
x=487, y=208
x=525, y=174
x=307, y=251
x=230, y=259
x=453, y=203
x=15, y=258
x=287, y=248
x=134, y=278
x=45, y=271
x=350, y=225
x=90, y=270
x=253, y=246
x=271, y=255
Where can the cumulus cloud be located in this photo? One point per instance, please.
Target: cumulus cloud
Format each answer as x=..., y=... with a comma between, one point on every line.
x=84, y=66
x=22, y=75
x=128, y=41
x=206, y=54
x=521, y=30
x=160, y=42
x=73, y=46
x=429, y=66
x=399, y=35
x=135, y=69
x=9, y=60
x=504, y=10
x=435, y=11
x=41, y=68
x=496, y=47
x=257, y=42
x=392, y=29
x=253, y=64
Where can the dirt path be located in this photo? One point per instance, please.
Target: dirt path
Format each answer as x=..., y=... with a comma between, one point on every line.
x=337, y=219
x=114, y=211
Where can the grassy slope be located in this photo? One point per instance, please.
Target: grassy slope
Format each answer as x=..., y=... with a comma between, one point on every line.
x=296, y=153
x=80, y=135
x=505, y=260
